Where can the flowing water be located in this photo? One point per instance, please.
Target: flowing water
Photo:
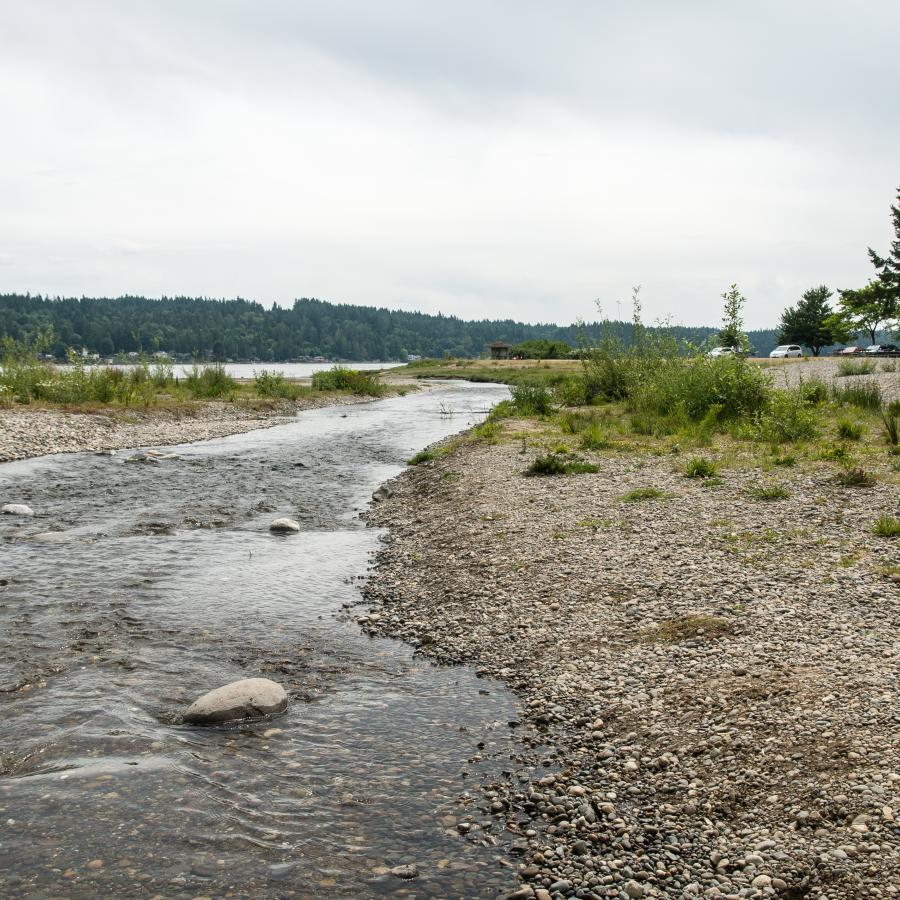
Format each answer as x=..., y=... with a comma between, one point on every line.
x=137, y=587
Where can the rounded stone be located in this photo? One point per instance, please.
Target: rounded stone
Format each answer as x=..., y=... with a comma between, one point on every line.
x=284, y=526
x=17, y=509
x=249, y=698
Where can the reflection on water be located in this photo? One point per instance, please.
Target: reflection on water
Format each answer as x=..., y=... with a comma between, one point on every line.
x=137, y=587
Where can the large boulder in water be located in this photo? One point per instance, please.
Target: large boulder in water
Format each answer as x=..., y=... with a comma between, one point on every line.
x=382, y=493
x=17, y=509
x=284, y=526
x=249, y=698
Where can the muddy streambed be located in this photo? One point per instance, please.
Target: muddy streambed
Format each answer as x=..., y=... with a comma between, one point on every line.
x=137, y=587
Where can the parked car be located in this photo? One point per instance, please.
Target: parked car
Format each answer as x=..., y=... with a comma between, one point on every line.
x=722, y=351
x=883, y=348
x=847, y=351
x=785, y=351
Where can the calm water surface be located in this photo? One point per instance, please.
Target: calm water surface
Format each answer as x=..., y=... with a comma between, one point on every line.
x=137, y=587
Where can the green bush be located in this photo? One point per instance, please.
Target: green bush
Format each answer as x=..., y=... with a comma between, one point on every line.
x=209, y=382
x=788, y=419
x=340, y=378
x=571, y=392
x=274, y=384
x=531, y=398
x=691, y=388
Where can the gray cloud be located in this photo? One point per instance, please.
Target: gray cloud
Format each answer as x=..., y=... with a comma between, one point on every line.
x=510, y=158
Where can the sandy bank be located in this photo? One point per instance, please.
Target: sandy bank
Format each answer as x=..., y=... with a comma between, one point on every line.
x=710, y=680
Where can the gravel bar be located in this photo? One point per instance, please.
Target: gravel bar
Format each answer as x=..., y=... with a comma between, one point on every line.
x=30, y=431
x=709, y=683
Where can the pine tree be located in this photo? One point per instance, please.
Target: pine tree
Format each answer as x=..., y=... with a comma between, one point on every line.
x=810, y=322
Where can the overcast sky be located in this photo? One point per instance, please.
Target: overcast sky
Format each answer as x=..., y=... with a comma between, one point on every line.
x=479, y=158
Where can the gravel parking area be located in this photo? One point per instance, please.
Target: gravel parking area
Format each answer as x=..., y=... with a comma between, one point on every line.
x=789, y=372
x=708, y=681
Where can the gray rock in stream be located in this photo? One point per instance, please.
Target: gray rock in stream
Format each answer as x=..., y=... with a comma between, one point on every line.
x=284, y=526
x=249, y=698
x=17, y=509
x=382, y=493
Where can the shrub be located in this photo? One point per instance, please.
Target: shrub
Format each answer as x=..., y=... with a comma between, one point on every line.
x=848, y=367
x=849, y=431
x=855, y=477
x=571, y=392
x=274, y=384
x=691, y=388
x=340, y=378
x=698, y=467
x=209, y=382
x=531, y=398
x=886, y=526
x=862, y=394
x=788, y=419
x=769, y=492
x=813, y=391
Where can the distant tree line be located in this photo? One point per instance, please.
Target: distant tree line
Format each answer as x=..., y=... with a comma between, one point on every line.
x=245, y=330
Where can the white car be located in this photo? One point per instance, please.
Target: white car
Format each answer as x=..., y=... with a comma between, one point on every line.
x=786, y=351
x=722, y=351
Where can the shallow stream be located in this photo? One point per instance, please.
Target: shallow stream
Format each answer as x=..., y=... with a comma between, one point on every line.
x=139, y=586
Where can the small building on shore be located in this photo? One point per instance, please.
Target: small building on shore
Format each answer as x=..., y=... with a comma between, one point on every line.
x=499, y=350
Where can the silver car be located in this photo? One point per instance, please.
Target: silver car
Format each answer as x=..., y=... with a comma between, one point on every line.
x=786, y=351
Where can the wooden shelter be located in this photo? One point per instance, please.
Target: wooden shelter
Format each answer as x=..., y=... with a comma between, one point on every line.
x=499, y=350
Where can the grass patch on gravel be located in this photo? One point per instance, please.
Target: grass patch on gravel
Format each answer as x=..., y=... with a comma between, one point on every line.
x=886, y=526
x=683, y=628
x=559, y=464
x=769, y=492
x=698, y=467
x=855, y=477
x=644, y=493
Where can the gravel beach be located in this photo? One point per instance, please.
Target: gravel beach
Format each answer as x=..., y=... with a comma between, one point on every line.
x=708, y=681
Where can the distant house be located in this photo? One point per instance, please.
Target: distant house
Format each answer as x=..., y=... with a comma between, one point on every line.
x=413, y=357
x=499, y=350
